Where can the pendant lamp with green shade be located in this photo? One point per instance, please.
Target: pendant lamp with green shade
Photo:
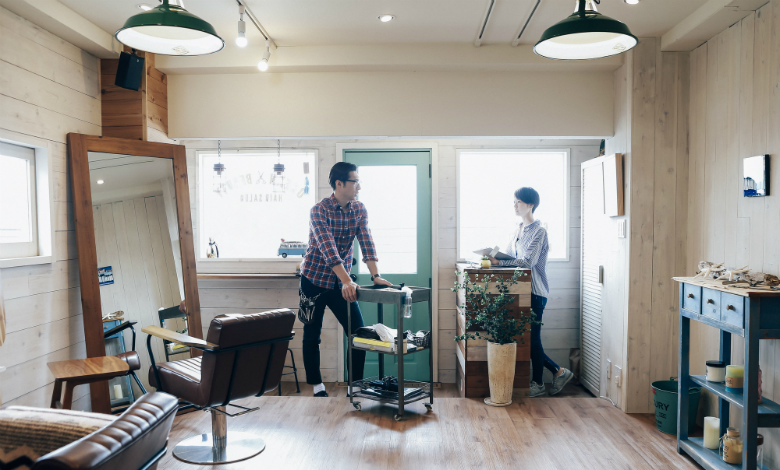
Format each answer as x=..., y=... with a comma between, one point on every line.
x=585, y=34
x=169, y=30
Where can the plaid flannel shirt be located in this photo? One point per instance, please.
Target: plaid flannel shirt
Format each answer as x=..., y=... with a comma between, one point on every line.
x=331, y=232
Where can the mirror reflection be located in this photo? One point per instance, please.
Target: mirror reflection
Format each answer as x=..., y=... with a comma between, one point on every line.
x=138, y=252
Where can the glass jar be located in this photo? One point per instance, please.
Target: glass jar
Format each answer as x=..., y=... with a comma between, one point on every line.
x=759, y=452
x=716, y=371
x=731, y=446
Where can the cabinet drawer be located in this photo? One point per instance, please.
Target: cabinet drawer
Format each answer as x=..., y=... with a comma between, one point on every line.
x=732, y=309
x=710, y=303
x=692, y=298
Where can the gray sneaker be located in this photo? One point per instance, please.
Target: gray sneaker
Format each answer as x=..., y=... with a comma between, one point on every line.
x=560, y=381
x=537, y=390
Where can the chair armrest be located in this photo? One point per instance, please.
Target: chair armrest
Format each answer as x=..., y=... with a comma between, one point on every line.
x=121, y=327
x=134, y=440
x=179, y=338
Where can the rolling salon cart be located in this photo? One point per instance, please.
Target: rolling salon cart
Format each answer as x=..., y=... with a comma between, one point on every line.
x=416, y=390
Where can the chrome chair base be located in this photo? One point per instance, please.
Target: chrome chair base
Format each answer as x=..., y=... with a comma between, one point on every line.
x=202, y=449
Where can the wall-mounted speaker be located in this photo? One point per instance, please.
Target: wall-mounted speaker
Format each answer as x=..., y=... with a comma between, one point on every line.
x=129, y=71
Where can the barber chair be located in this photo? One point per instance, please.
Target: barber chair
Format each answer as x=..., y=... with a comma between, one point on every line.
x=243, y=356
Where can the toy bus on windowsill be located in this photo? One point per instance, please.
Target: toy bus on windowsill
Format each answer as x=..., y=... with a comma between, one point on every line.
x=292, y=248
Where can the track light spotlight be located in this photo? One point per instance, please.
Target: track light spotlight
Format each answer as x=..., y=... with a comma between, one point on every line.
x=263, y=64
x=241, y=40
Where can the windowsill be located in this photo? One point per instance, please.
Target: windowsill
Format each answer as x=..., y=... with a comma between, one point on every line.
x=270, y=266
x=27, y=261
x=225, y=276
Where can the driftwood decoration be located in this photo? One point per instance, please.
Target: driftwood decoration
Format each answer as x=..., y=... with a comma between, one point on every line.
x=710, y=270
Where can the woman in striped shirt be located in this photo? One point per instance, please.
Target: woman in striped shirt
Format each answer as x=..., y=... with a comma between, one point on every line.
x=529, y=247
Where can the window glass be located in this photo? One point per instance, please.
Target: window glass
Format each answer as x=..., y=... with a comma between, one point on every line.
x=253, y=212
x=487, y=180
x=18, y=234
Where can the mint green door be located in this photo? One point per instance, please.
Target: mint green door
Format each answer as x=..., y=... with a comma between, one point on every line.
x=396, y=189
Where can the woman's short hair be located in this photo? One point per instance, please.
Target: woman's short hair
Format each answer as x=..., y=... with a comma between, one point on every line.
x=528, y=196
x=340, y=172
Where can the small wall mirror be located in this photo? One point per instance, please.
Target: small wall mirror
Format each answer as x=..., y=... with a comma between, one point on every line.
x=755, y=176
x=134, y=237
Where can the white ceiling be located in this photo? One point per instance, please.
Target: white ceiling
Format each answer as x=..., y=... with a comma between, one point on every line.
x=293, y=23
x=336, y=35
x=130, y=173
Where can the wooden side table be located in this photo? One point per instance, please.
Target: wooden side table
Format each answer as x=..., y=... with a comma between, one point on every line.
x=82, y=371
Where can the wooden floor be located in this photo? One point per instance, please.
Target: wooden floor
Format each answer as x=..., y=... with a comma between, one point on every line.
x=570, y=431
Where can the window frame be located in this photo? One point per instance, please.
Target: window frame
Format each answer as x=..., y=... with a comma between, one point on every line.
x=566, y=181
x=44, y=203
x=245, y=265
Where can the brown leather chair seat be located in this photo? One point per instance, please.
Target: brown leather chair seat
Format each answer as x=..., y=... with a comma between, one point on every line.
x=243, y=356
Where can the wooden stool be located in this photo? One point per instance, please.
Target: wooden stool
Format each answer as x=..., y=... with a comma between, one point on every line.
x=82, y=371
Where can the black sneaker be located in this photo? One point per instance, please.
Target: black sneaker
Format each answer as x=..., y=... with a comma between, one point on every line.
x=321, y=394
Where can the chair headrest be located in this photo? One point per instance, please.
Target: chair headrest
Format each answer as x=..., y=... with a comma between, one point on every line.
x=236, y=329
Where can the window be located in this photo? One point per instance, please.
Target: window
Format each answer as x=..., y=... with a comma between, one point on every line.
x=18, y=209
x=251, y=212
x=487, y=180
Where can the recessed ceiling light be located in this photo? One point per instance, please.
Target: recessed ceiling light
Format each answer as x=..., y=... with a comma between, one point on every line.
x=99, y=181
x=386, y=18
x=144, y=6
x=631, y=2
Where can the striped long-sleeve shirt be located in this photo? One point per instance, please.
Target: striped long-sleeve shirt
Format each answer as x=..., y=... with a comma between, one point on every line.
x=331, y=232
x=529, y=247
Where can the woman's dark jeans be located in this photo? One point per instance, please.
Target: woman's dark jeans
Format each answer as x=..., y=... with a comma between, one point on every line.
x=539, y=359
x=311, y=332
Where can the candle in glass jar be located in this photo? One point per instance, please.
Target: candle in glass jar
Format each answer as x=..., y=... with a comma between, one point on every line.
x=711, y=432
x=734, y=378
x=716, y=371
x=118, y=391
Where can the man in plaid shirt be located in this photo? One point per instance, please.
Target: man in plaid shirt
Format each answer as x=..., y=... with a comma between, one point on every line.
x=325, y=280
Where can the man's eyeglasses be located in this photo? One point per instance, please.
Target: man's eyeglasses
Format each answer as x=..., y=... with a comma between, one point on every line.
x=353, y=181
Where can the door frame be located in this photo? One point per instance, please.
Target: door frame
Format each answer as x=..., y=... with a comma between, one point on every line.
x=407, y=145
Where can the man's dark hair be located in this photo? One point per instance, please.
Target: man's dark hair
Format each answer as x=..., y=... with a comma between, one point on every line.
x=340, y=172
x=528, y=196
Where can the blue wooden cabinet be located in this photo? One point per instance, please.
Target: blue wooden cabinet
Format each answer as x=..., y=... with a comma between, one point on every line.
x=751, y=313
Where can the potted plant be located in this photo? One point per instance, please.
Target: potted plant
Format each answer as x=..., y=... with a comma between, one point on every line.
x=488, y=312
x=485, y=263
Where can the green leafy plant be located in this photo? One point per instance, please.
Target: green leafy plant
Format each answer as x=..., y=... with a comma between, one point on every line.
x=489, y=310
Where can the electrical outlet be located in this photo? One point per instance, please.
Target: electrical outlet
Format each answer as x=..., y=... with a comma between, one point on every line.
x=621, y=226
x=609, y=369
x=618, y=376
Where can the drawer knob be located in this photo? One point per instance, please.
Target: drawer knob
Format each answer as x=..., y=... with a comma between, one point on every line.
x=730, y=307
x=690, y=296
x=710, y=301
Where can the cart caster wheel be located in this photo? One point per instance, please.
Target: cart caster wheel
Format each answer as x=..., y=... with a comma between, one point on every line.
x=357, y=405
x=397, y=418
x=429, y=406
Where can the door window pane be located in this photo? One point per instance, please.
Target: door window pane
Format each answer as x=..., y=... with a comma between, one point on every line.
x=390, y=195
x=487, y=180
x=250, y=209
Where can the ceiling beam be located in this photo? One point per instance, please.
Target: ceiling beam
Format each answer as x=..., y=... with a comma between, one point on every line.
x=61, y=21
x=706, y=22
x=397, y=57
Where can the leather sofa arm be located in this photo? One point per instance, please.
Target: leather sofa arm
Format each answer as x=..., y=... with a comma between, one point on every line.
x=135, y=440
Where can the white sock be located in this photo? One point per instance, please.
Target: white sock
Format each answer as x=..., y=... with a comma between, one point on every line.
x=320, y=387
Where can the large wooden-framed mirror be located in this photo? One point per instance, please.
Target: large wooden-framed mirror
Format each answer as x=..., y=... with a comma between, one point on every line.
x=131, y=207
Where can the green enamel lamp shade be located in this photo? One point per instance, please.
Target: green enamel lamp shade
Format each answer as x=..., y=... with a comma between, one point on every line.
x=169, y=30
x=585, y=34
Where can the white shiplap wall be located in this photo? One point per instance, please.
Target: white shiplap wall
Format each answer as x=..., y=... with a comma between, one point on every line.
x=561, y=320
x=48, y=88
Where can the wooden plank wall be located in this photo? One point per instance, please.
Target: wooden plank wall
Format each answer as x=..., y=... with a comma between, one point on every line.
x=653, y=136
x=48, y=88
x=561, y=319
x=131, y=114
x=735, y=113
